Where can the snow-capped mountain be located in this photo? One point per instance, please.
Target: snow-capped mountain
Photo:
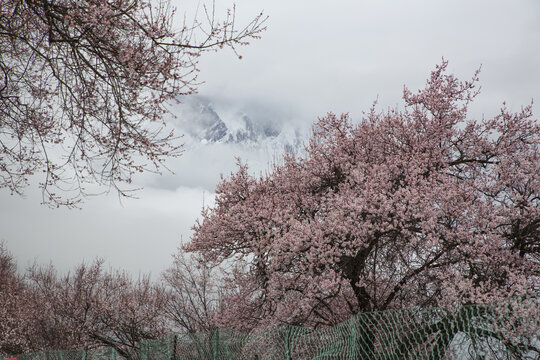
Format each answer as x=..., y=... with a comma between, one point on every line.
x=209, y=121
x=218, y=133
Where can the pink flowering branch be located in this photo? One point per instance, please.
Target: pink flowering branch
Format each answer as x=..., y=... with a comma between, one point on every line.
x=84, y=87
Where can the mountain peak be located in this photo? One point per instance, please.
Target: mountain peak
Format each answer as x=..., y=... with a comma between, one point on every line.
x=208, y=122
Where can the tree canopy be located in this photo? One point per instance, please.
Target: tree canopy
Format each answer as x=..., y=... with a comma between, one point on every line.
x=415, y=207
x=84, y=87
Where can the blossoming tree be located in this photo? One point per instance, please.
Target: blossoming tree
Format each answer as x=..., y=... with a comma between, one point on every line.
x=12, y=324
x=84, y=84
x=91, y=308
x=415, y=207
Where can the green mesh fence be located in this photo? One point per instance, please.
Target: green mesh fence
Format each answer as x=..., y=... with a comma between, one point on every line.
x=477, y=332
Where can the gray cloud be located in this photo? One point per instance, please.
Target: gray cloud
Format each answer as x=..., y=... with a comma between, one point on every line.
x=136, y=235
x=339, y=56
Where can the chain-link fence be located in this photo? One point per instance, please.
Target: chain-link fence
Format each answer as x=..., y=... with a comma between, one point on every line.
x=509, y=331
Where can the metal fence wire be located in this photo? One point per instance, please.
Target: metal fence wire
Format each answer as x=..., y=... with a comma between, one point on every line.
x=509, y=331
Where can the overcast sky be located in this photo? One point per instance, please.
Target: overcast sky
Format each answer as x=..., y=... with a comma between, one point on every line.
x=315, y=57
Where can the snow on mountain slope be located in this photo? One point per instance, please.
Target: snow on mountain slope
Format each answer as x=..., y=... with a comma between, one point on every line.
x=210, y=121
x=217, y=132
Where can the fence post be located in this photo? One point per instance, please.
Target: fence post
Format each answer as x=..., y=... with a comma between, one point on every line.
x=288, y=343
x=354, y=338
x=216, y=344
x=174, y=348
